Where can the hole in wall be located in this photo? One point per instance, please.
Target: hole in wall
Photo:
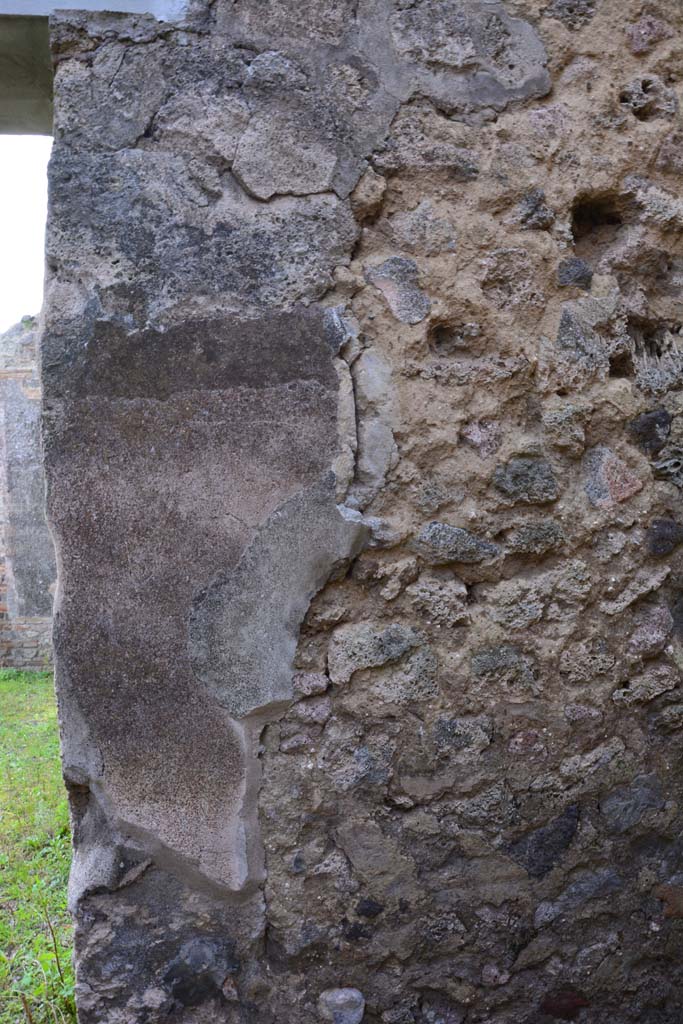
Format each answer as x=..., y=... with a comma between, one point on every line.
x=648, y=98
x=621, y=365
x=452, y=338
x=652, y=338
x=645, y=86
x=647, y=340
x=595, y=223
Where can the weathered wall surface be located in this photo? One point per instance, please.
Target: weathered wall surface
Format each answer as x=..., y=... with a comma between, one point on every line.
x=27, y=561
x=362, y=422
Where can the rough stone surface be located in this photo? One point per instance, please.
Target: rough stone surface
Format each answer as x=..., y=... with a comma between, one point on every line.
x=574, y=13
x=342, y=1005
x=362, y=320
x=397, y=280
x=646, y=687
x=439, y=543
x=362, y=646
x=533, y=212
x=528, y=481
x=608, y=479
x=28, y=573
x=649, y=98
x=645, y=33
x=663, y=537
x=651, y=429
x=625, y=806
x=536, y=537
x=538, y=851
x=574, y=271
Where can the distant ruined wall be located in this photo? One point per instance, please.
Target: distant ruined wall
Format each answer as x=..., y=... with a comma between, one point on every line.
x=363, y=427
x=27, y=562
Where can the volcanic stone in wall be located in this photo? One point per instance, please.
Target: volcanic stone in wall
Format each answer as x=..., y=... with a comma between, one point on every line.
x=364, y=446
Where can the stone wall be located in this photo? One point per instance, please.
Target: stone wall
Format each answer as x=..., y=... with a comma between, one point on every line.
x=364, y=440
x=27, y=563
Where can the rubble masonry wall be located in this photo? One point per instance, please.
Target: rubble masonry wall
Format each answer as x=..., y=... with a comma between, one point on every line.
x=363, y=430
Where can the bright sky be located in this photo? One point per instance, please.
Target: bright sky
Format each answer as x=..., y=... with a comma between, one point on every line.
x=23, y=208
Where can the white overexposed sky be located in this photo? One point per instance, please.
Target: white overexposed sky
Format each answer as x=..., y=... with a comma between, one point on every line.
x=23, y=209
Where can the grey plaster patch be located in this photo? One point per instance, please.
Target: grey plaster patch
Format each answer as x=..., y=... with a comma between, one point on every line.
x=255, y=405
x=247, y=662
x=321, y=21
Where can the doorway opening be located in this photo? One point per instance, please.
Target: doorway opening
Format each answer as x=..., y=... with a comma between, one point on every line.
x=27, y=562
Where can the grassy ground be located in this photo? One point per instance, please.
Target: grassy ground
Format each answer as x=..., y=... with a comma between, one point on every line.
x=36, y=981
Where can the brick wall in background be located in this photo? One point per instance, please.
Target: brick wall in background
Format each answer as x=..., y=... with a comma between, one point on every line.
x=27, y=567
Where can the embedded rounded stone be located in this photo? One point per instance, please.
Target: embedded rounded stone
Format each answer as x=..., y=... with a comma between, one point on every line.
x=626, y=805
x=534, y=213
x=646, y=687
x=644, y=34
x=492, y=976
x=367, y=196
x=341, y=1005
x=574, y=272
x=358, y=646
x=398, y=280
x=564, y=1003
x=536, y=538
x=574, y=13
x=608, y=480
x=527, y=481
x=662, y=536
x=652, y=629
x=440, y=543
x=651, y=429
x=539, y=850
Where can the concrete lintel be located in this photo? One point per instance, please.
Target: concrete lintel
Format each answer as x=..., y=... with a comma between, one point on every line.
x=164, y=10
x=25, y=77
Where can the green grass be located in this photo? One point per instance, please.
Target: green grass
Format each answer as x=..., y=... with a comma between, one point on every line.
x=36, y=980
